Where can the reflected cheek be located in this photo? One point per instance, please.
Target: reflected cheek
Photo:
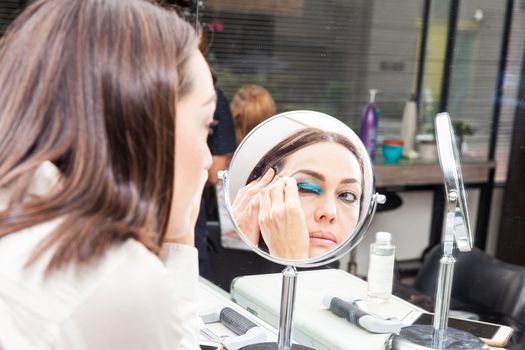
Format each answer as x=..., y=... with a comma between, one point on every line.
x=308, y=205
x=348, y=219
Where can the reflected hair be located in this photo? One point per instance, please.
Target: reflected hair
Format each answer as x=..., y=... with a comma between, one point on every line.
x=92, y=86
x=276, y=157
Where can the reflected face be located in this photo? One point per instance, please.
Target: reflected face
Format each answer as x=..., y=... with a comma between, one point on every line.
x=329, y=182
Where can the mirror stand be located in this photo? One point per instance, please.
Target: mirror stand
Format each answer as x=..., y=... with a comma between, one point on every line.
x=438, y=336
x=445, y=276
x=305, y=144
x=284, y=340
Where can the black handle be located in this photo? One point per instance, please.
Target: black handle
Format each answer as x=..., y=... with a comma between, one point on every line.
x=347, y=310
x=235, y=321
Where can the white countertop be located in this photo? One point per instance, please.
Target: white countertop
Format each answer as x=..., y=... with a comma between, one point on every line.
x=314, y=325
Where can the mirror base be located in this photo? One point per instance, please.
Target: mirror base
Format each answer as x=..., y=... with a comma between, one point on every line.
x=273, y=346
x=419, y=337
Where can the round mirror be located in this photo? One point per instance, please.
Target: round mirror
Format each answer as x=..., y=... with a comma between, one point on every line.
x=451, y=166
x=300, y=189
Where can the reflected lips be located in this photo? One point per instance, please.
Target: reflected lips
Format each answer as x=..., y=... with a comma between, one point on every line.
x=322, y=239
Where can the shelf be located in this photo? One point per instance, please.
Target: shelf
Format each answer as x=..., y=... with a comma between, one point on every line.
x=417, y=173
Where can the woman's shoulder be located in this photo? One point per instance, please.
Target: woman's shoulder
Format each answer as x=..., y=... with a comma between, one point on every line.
x=128, y=286
x=142, y=279
x=138, y=292
x=135, y=271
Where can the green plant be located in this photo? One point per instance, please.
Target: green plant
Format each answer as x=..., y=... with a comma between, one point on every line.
x=460, y=129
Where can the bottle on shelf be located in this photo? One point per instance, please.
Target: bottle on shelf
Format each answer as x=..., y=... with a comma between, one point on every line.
x=409, y=128
x=369, y=124
x=381, y=268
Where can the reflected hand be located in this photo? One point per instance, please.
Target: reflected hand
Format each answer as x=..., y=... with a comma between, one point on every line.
x=245, y=208
x=282, y=220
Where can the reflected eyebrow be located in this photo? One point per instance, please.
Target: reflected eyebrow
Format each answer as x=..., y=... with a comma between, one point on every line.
x=351, y=180
x=211, y=99
x=310, y=173
x=321, y=177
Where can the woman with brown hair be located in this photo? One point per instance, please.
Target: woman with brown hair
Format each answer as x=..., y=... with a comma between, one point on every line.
x=303, y=197
x=105, y=108
x=250, y=106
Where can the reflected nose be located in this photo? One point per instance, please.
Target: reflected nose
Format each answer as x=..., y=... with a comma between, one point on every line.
x=326, y=212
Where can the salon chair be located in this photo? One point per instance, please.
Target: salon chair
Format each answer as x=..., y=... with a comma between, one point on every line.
x=483, y=285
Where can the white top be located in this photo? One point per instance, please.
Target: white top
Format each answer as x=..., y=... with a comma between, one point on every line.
x=128, y=299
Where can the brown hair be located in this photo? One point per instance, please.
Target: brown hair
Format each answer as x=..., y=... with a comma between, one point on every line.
x=250, y=105
x=276, y=157
x=92, y=86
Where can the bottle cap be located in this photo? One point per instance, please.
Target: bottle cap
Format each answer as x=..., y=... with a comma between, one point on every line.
x=383, y=237
x=373, y=93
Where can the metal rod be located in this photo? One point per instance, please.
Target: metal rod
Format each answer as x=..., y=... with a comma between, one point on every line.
x=444, y=289
x=284, y=341
x=449, y=54
x=501, y=78
x=485, y=198
x=422, y=56
x=196, y=9
x=446, y=274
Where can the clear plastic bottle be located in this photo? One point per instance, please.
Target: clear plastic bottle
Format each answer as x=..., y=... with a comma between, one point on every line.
x=381, y=268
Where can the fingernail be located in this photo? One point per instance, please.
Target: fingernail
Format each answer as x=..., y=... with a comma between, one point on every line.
x=291, y=181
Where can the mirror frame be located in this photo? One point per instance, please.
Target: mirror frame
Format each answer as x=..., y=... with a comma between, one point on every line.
x=365, y=217
x=450, y=164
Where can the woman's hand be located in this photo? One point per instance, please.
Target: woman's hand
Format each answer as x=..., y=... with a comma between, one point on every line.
x=245, y=208
x=282, y=221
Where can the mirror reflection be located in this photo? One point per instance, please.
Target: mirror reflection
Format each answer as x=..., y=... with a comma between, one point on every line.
x=316, y=171
x=303, y=196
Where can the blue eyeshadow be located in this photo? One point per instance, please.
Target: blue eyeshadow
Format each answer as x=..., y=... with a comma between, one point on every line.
x=304, y=186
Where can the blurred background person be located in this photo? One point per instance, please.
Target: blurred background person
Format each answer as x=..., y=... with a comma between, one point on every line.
x=250, y=106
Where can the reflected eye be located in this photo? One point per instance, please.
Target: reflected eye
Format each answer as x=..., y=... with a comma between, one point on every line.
x=348, y=197
x=306, y=187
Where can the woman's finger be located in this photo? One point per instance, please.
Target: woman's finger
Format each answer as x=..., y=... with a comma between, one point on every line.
x=251, y=190
x=265, y=180
x=291, y=193
x=277, y=193
x=265, y=200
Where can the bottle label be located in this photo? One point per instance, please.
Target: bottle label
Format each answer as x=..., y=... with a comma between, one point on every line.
x=380, y=275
